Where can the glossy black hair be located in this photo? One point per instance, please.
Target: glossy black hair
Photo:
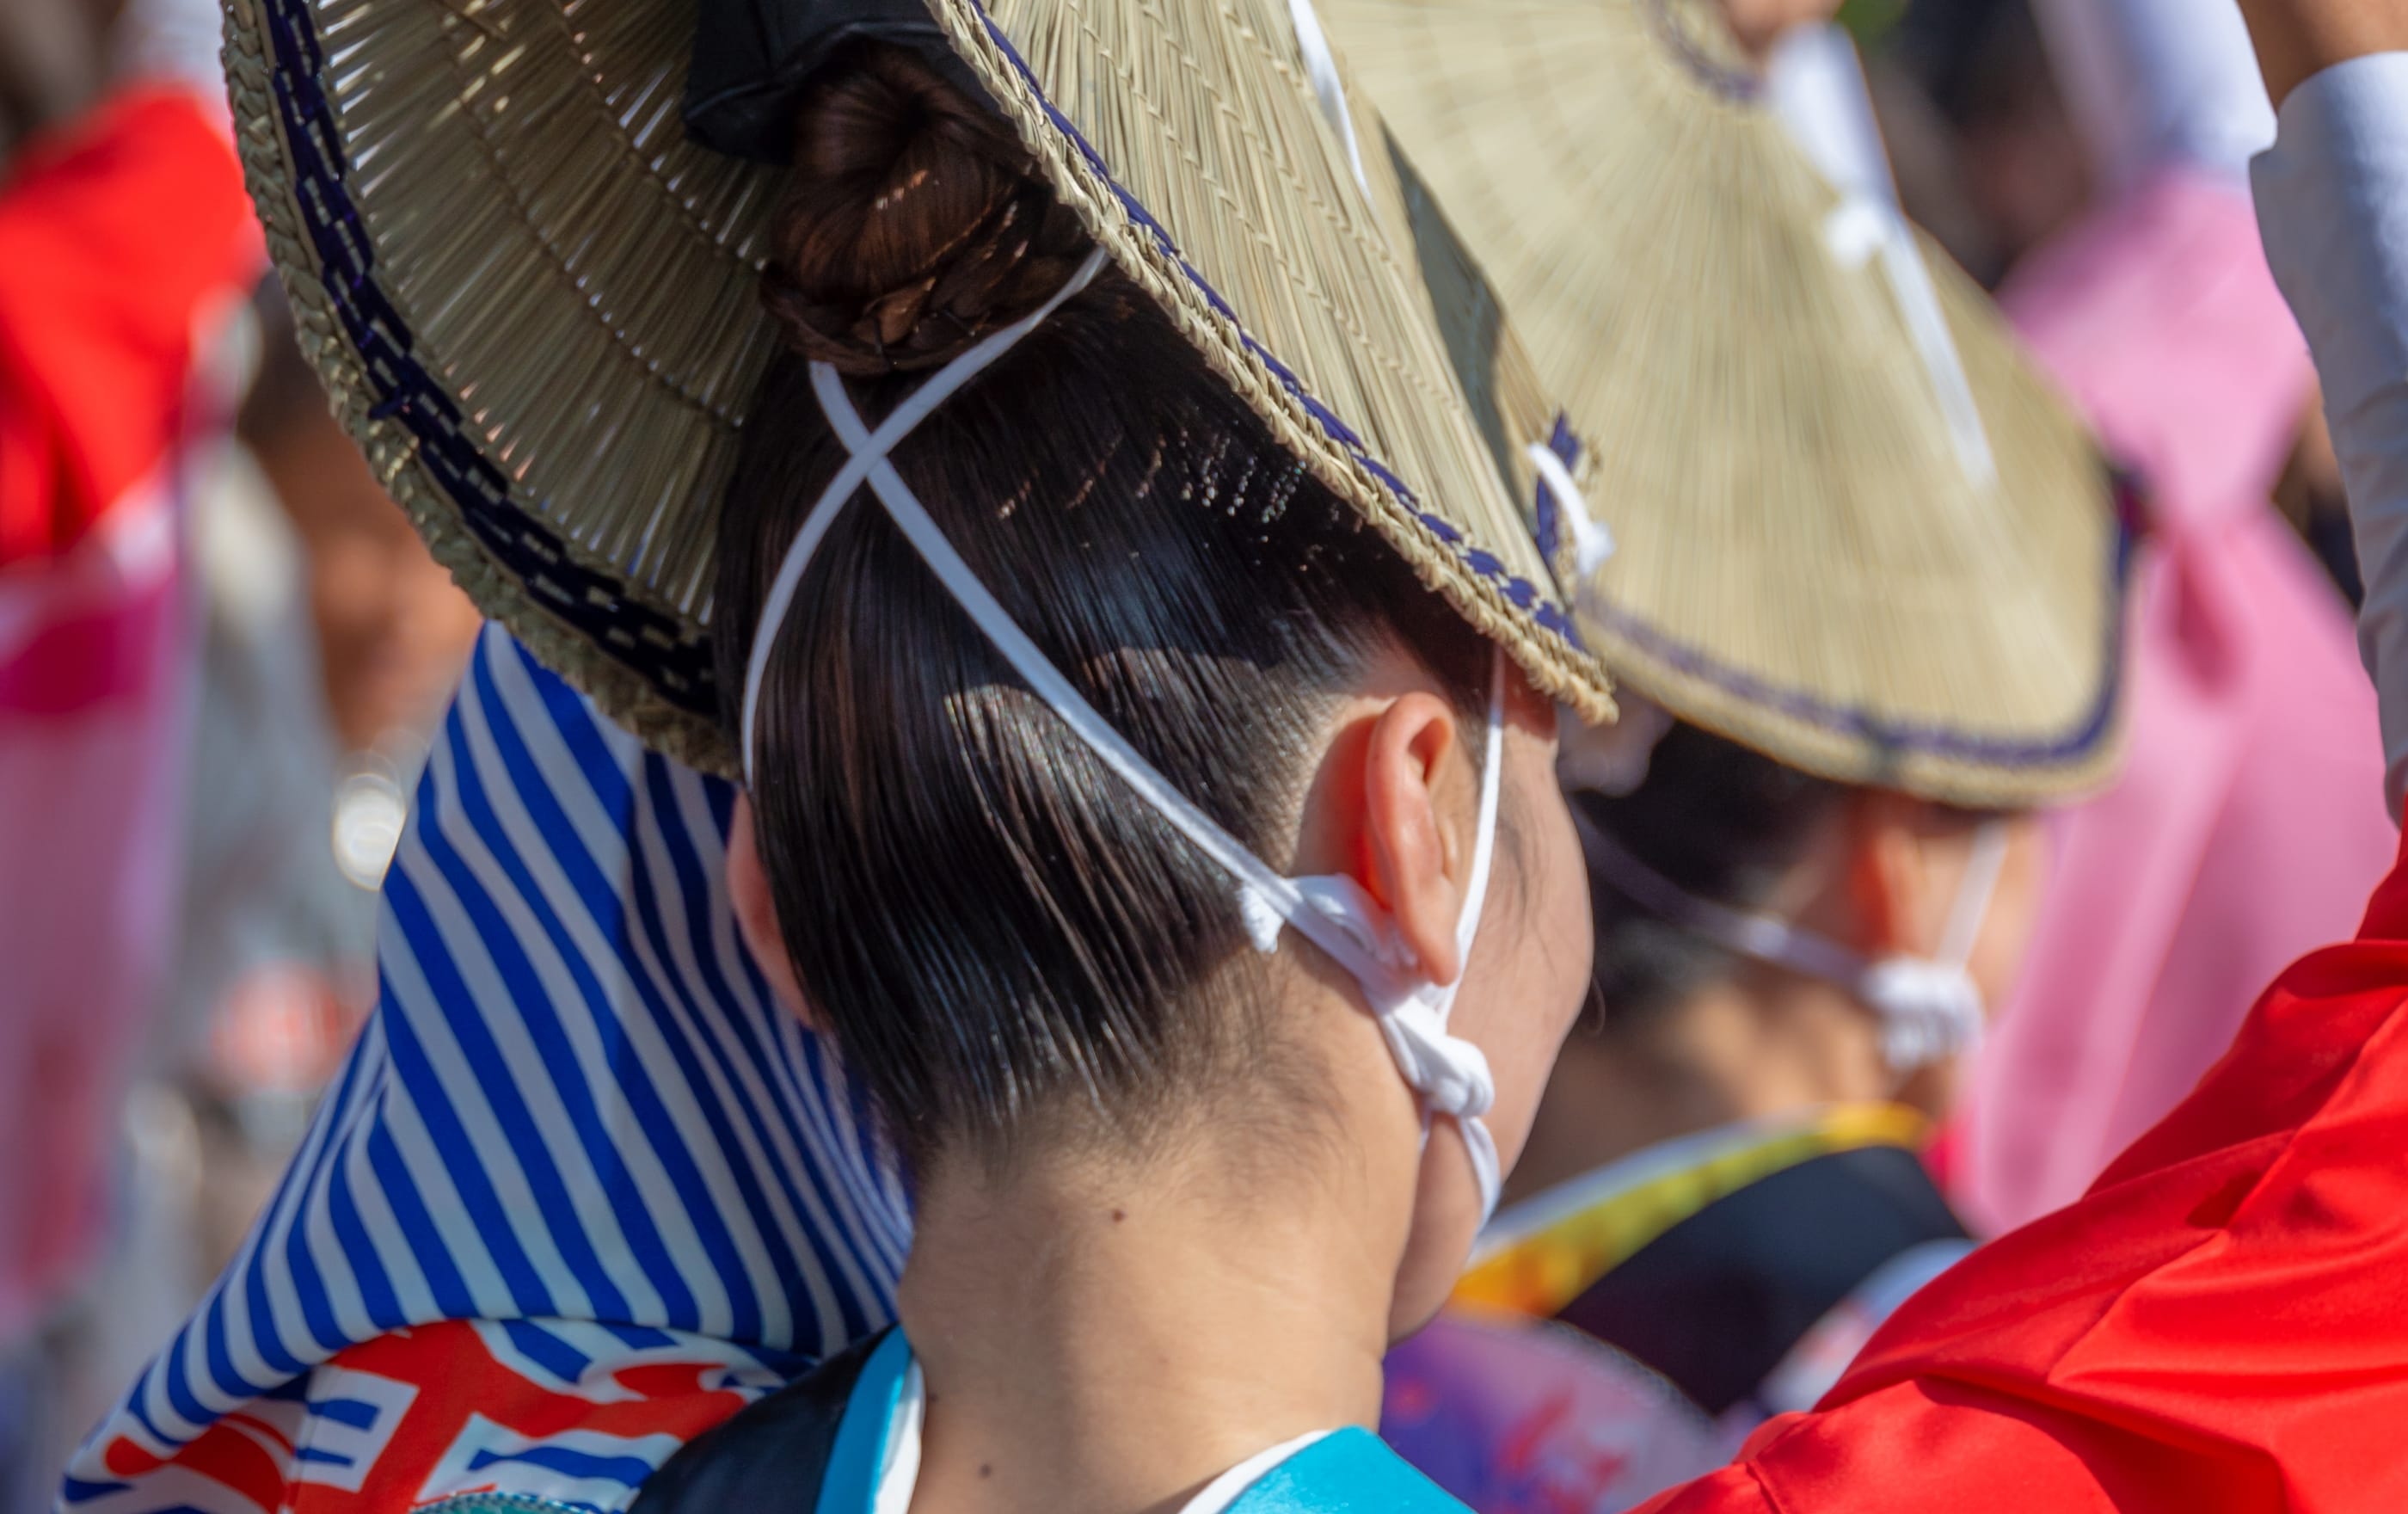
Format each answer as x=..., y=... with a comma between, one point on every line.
x=1007, y=945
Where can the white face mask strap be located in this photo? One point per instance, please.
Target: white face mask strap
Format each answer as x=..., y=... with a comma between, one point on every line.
x=995, y=623
x=1452, y=1074
x=1933, y=1010
x=1492, y=782
x=1762, y=937
x=1982, y=866
x=1930, y=1009
x=1334, y=913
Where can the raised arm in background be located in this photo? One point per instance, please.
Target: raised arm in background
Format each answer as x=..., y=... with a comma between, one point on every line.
x=2297, y=39
x=2333, y=202
x=2213, y=1329
x=2248, y=826
x=2153, y=81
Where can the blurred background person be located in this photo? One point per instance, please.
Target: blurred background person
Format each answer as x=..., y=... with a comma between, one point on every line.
x=325, y=640
x=329, y=641
x=2213, y=1326
x=1863, y=600
x=125, y=243
x=196, y=806
x=1987, y=154
x=2248, y=827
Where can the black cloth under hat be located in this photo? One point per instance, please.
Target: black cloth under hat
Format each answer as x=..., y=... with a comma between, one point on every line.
x=750, y=57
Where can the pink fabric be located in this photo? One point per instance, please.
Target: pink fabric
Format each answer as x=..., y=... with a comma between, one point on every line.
x=1517, y=1416
x=2249, y=826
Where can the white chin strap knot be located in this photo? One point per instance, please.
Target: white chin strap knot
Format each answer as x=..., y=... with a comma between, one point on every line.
x=1334, y=913
x=1930, y=1008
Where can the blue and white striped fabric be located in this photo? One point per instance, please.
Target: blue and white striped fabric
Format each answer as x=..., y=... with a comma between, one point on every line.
x=577, y=1101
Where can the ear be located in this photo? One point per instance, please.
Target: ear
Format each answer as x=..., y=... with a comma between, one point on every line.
x=756, y=911
x=1887, y=873
x=1419, y=799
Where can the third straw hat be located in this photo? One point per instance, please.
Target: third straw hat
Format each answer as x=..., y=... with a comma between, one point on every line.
x=1830, y=546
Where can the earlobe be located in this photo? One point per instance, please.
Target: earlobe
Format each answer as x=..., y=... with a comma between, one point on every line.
x=757, y=910
x=1417, y=856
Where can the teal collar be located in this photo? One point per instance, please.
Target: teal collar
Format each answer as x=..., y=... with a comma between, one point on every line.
x=1350, y=1471
x=859, y=1455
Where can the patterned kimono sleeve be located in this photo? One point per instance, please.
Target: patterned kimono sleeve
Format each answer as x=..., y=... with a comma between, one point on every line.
x=543, y=1413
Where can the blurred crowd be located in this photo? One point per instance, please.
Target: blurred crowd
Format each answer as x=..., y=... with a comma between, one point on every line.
x=224, y=653
x=222, y=650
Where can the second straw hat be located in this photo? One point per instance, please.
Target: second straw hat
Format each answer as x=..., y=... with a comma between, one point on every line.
x=1812, y=559
x=535, y=300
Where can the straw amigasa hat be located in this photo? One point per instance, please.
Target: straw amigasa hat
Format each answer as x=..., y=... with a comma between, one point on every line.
x=1817, y=555
x=535, y=300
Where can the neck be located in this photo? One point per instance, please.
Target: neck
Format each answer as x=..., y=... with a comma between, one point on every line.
x=1755, y=1048
x=1105, y=1337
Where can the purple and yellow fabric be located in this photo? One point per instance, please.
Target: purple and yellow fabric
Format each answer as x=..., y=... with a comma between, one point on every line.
x=1515, y=1411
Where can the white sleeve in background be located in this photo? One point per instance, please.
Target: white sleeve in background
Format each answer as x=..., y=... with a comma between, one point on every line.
x=2157, y=83
x=2332, y=204
x=174, y=41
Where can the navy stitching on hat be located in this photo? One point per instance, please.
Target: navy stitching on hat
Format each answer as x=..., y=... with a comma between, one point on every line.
x=1883, y=734
x=648, y=642
x=1520, y=592
x=1737, y=86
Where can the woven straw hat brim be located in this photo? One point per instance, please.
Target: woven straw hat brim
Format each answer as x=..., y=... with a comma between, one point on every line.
x=1803, y=562
x=535, y=301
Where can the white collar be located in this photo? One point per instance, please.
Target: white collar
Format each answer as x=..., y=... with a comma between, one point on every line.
x=899, y=1475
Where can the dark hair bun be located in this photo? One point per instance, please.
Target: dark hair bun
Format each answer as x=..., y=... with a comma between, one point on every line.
x=914, y=222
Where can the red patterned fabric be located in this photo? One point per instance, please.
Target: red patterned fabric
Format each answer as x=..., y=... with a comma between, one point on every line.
x=569, y=1414
x=2215, y=1328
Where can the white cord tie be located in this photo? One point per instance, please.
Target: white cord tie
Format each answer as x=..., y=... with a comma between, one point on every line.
x=1592, y=544
x=1451, y=1075
x=1818, y=87
x=1930, y=1008
x=1320, y=67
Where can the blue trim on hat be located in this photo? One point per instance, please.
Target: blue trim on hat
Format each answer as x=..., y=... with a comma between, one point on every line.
x=1737, y=86
x=649, y=642
x=1520, y=592
x=1877, y=731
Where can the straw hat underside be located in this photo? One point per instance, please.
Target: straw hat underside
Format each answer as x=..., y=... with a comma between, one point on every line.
x=535, y=301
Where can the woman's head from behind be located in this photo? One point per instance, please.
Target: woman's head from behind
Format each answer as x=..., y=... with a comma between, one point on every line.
x=1797, y=939
x=1026, y=962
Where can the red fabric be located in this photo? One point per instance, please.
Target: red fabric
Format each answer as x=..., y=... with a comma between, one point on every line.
x=114, y=240
x=433, y=1413
x=2215, y=1327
